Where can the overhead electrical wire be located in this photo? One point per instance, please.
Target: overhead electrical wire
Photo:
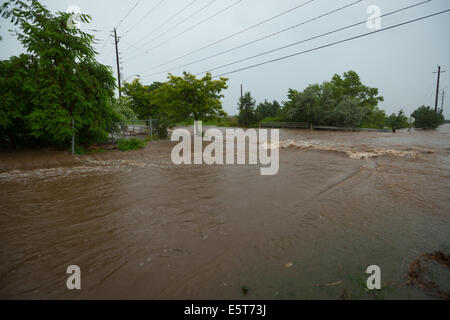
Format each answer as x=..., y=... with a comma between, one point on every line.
x=262, y=38
x=237, y=33
x=315, y=37
x=144, y=17
x=331, y=44
x=197, y=24
x=129, y=12
x=120, y=22
x=182, y=21
x=168, y=20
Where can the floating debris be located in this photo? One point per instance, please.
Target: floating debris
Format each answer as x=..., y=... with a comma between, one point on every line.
x=419, y=269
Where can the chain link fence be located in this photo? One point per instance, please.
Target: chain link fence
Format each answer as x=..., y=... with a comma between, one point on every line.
x=141, y=129
x=146, y=129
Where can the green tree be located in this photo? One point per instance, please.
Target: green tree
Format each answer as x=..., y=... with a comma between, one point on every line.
x=122, y=106
x=376, y=119
x=341, y=102
x=427, y=118
x=140, y=99
x=246, y=107
x=397, y=121
x=58, y=80
x=348, y=113
x=267, y=109
x=188, y=98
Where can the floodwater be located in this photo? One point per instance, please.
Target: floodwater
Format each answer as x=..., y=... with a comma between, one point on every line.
x=140, y=227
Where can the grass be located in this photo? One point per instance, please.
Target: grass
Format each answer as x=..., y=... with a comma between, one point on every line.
x=130, y=144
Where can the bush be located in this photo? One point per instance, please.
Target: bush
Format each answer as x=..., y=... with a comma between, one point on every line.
x=131, y=144
x=427, y=118
x=397, y=121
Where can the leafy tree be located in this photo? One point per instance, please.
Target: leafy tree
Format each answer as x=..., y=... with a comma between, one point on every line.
x=56, y=81
x=427, y=118
x=397, y=121
x=140, y=98
x=246, y=108
x=122, y=106
x=187, y=97
x=376, y=119
x=348, y=113
x=267, y=110
x=343, y=101
x=350, y=85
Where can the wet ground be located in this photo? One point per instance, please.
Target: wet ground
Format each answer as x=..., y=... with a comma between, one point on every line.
x=140, y=227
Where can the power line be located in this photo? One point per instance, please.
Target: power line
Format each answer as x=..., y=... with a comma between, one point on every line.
x=144, y=17
x=120, y=22
x=168, y=20
x=262, y=38
x=181, y=22
x=129, y=12
x=237, y=33
x=332, y=44
x=197, y=24
x=315, y=37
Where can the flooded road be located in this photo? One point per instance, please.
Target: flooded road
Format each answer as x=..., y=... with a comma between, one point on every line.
x=140, y=227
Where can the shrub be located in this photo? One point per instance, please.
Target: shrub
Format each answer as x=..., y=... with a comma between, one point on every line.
x=427, y=118
x=130, y=144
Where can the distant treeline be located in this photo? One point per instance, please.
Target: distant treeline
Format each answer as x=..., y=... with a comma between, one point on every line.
x=342, y=102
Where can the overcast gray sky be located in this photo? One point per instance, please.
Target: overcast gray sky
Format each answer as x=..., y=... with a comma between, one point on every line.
x=400, y=62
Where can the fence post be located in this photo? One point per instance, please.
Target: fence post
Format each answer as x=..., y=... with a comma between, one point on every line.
x=151, y=129
x=73, y=137
x=123, y=129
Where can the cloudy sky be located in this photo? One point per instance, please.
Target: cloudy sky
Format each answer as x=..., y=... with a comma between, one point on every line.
x=161, y=35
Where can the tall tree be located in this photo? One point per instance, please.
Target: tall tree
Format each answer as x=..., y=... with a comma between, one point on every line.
x=246, y=108
x=63, y=79
x=267, y=109
x=343, y=101
x=187, y=97
x=141, y=100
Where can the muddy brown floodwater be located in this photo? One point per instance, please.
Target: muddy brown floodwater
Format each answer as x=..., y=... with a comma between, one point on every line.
x=140, y=227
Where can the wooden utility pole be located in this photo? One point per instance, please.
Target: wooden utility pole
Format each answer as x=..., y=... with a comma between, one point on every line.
x=437, y=87
x=116, y=40
x=242, y=92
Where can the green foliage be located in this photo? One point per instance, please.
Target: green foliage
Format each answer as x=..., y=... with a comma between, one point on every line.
x=187, y=97
x=343, y=102
x=56, y=81
x=267, y=110
x=271, y=119
x=130, y=144
x=397, y=121
x=246, y=108
x=139, y=97
x=122, y=106
x=348, y=113
x=427, y=118
x=375, y=119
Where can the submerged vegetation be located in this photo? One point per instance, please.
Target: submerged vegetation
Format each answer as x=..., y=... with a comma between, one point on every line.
x=130, y=144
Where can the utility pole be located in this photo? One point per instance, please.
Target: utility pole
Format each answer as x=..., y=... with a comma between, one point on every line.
x=116, y=40
x=437, y=87
x=242, y=92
